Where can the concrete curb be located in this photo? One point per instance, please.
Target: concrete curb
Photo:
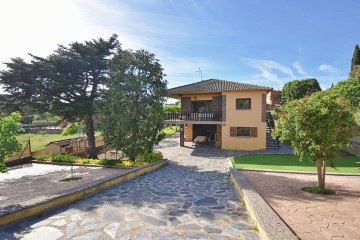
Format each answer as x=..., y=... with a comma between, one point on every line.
x=33, y=209
x=298, y=172
x=269, y=224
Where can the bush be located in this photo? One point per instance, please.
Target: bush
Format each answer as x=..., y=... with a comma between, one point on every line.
x=108, y=162
x=63, y=158
x=66, y=158
x=73, y=128
x=151, y=156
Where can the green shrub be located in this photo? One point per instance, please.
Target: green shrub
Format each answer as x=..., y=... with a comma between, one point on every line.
x=151, y=156
x=63, y=158
x=106, y=162
x=86, y=161
x=73, y=129
x=66, y=158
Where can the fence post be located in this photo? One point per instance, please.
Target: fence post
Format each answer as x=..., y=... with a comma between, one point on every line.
x=29, y=143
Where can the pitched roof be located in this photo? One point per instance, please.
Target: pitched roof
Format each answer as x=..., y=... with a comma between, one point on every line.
x=65, y=142
x=215, y=85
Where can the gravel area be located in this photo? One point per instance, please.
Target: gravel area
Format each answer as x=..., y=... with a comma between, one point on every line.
x=36, y=182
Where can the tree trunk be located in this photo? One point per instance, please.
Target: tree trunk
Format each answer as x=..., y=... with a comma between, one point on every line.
x=323, y=176
x=321, y=171
x=89, y=124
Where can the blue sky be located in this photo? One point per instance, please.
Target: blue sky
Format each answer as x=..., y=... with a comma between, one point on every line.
x=260, y=42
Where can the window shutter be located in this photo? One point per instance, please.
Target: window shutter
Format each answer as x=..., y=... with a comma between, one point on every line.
x=253, y=132
x=232, y=131
x=263, y=108
x=223, y=107
x=186, y=104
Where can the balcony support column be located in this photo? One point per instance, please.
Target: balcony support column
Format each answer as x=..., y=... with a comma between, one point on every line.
x=182, y=135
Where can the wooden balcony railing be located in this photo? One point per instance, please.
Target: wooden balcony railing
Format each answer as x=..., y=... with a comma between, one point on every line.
x=193, y=116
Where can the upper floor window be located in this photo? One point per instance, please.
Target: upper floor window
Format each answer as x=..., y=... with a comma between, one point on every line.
x=201, y=106
x=243, y=103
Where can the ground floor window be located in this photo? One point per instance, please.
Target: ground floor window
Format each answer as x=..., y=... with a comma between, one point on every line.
x=243, y=131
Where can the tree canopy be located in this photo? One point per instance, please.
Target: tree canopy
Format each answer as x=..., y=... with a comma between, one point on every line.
x=355, y=72
x=316, y=126
x=349, y=89
x=9, y=128
x=174, y=108
x=66, y=83
x=133, y=109
x=355, y=61
x=298, y=89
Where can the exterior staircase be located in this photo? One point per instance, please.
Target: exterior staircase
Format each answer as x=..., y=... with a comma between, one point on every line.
x=271, y=143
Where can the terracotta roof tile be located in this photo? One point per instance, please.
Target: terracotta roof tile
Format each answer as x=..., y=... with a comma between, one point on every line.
x=212, y=85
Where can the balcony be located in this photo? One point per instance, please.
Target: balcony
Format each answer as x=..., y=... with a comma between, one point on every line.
x=193, y=118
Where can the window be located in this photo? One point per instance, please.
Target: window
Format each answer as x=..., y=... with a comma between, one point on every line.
x=243, y=103
x=201, y=106
x=243, y=131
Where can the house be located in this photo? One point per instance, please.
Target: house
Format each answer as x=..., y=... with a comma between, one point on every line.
x=230, y=114
x=273, y=99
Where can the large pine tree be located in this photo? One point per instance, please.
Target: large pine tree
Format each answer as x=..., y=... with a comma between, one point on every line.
x=66, y=83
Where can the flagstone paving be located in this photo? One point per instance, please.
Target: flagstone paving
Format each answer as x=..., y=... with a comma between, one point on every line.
x=190, y=198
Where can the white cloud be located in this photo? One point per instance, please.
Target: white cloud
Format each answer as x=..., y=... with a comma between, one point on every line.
x=37, y=27
x=329, y=69
x=299, y=68
x=270, y=70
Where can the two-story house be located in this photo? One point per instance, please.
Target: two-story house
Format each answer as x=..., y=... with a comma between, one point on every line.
x=230, y=114
x=273, y=99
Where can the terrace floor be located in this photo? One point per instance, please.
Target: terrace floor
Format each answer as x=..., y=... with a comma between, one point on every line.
x=312, y=216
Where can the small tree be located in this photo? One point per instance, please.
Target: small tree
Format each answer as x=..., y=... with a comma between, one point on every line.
x=9, y=128
x=133, y=109
x=298, y=89
x=317, y=127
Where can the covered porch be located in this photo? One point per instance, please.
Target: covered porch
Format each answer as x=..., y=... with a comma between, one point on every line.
x=201, y=134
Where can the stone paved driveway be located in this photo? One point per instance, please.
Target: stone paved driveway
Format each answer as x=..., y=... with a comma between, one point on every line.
x=191, y=197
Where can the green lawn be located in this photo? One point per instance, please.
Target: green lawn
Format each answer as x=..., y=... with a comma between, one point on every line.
x=170, y=130
x=344, y=164
x=38, y=141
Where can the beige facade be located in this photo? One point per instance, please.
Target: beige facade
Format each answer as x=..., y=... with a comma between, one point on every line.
x=202, y=96
x=244, y=118
x=236, y=118
x=230, y=114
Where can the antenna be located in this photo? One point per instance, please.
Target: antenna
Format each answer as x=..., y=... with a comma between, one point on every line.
x=199, y=71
